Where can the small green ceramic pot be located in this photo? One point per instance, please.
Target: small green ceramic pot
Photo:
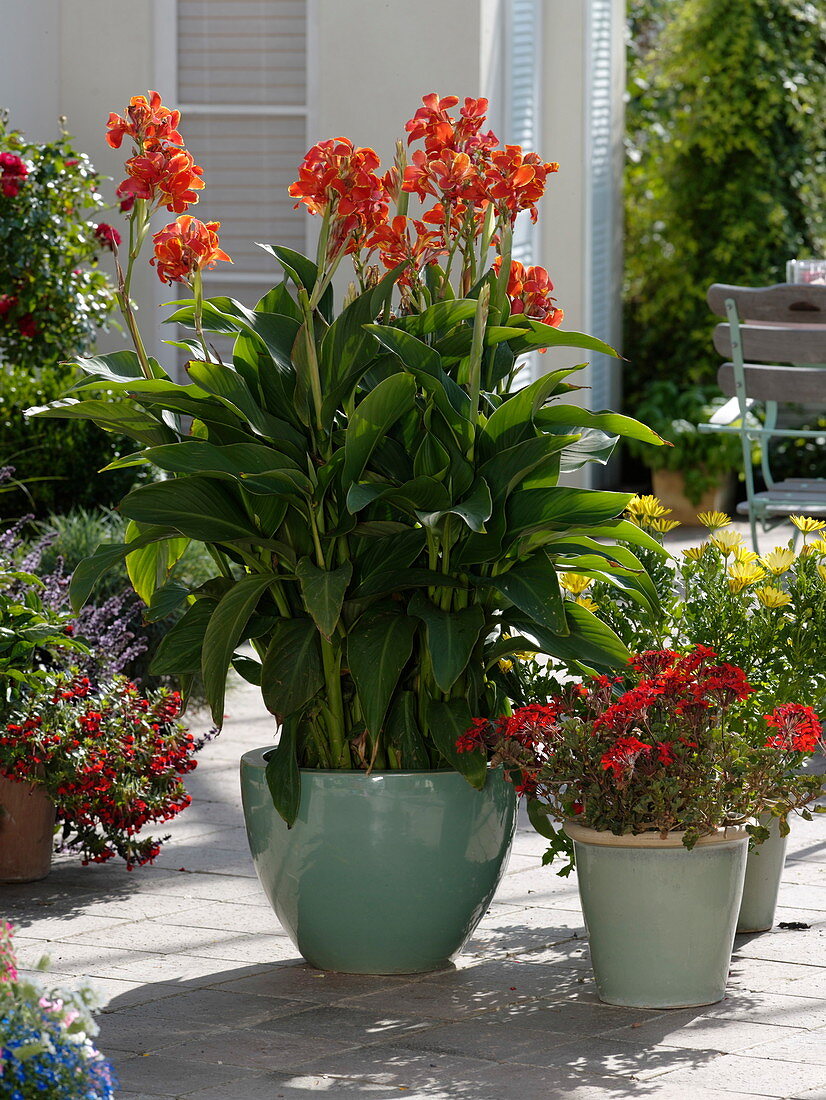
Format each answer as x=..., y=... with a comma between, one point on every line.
x=660, y=918
x=387, y=873
x=764, y=870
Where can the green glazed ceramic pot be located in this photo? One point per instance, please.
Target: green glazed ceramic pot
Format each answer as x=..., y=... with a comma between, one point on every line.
x=387, y=873
x=764, y=870
x=660, y=918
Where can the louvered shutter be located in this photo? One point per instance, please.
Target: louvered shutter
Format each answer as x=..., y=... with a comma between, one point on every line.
x=242, y=88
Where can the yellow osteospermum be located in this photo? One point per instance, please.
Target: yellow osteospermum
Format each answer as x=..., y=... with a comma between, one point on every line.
x=714, y=520
x=773, y=597
x=663, y=526
x=743, y=574
x=818, y=547
x=726, y=541
x=586, y=602
x=694, y=553
x=780, y=560
x=646, y=507
x=574, y=583
x=807, y=525
x=505, y=665
x=821, y=572
x=744, y=555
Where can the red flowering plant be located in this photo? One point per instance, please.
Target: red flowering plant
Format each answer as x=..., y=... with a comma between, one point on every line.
x=110, y=758
x=384, y=512
x=673, y=744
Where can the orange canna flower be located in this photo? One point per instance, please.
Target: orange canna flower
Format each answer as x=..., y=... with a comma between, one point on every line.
x=169, y=177
x=396, y=245
x=184, y=247
x=529, y=293
x=147, y=122
x=516, y=180
x=440, y=131
x=338, y=178
x=450, y=177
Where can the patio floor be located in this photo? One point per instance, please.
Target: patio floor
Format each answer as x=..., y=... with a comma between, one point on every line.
x=208, y=998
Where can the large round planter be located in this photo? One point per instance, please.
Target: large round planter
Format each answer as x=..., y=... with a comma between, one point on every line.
x=27, y=818
x=387, y=873
x=764, y=870
x=660, y=918
x=669, y=488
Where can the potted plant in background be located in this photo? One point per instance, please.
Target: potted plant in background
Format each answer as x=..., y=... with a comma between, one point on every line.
x=695, y=474
x=765, y=614
x=383, y=511
x=47, y=1036
x=656, y=777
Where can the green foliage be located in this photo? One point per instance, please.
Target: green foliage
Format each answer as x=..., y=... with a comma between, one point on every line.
x=57, y=462
x=376, y=513
x=726, y=176
x=674, y=410
x=49, y=250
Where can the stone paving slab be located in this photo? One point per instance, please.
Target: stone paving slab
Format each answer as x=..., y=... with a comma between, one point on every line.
x=209, y=999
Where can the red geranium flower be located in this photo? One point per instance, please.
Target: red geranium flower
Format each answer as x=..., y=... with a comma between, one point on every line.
x=798, y=728
x=7, y=303
x=184, y=247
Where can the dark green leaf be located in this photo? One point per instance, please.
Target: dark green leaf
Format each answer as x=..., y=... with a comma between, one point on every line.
x=283, y=776
x=106, y=557
x=371, y=420
x=451, y=637
x=447, y=722
x=179, y=652
x=378, y=648
x=225, y=631
x=560, y=507
x=533, y=587
x=198, y=507
x=292, y=673
x=323, y=592
x=402, y=733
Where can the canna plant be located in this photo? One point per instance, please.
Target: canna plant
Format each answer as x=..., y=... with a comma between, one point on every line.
x=383, y=509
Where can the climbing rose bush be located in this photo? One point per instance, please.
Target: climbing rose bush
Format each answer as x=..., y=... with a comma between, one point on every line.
x=674, y=744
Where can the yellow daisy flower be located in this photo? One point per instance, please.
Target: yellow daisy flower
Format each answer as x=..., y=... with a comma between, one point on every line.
x=713, y=520
x=694, y=553
x=772, y=597
x=743, y=574
x=818, y=547
x=574, y=583
x=505, y=665
x=726, y=541
x=587, y=603
x=777, y=561
x=821, y=572
x=663, y=525
x=807, y=525
x=646, y=507
x=744, y=555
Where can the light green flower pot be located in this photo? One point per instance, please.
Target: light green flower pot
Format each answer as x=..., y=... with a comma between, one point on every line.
x=764, y=870
x=387, y=873
x=660, y=918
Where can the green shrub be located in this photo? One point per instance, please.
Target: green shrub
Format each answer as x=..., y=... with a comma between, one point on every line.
x=726, y=177
x=56, y=460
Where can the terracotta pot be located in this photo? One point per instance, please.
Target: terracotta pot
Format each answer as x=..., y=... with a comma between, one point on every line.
x=669, y=487
x=27, y=817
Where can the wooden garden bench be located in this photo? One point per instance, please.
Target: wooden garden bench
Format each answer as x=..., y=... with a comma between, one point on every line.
x=774, y=342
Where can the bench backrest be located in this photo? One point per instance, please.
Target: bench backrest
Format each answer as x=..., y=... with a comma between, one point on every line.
x=785, y=323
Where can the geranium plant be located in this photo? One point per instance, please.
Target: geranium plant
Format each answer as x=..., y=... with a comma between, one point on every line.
x=384, y=512
x=47, y=1049
x=111, y=759
x=674, y=744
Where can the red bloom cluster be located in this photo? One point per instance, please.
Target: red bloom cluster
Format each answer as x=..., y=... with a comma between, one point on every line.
x=798, y=728
x=184, y=247
x=338, y=180
x=623, y=755
x=107, y=236
x=161, y=172
x=12, y=173
x=529, y=293
x=111, y=760
x=397, y=245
